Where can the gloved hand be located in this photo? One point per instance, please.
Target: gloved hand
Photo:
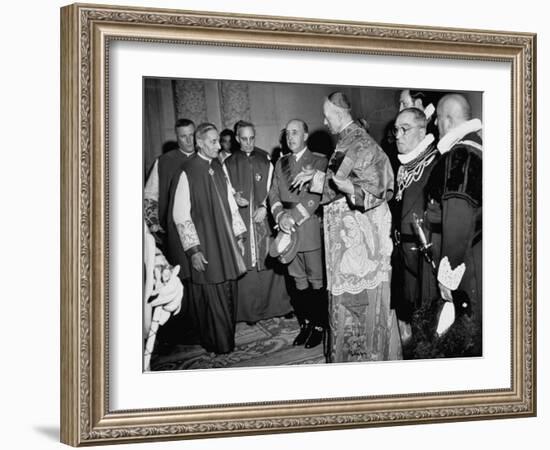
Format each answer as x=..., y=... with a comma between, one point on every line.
x=286, y=223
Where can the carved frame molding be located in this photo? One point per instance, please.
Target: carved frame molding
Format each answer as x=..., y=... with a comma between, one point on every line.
x=86, y=31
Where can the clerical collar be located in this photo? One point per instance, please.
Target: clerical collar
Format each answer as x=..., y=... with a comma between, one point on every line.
x=417, y=151
x=448, y=141
x=300, y=153
x=206, y=158
x=186, y=153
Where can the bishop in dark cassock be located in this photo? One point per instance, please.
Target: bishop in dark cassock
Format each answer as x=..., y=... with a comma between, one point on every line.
x=262, y=290
x=212, y=236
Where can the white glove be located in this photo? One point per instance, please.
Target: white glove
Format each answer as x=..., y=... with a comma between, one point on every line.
x=446, y=318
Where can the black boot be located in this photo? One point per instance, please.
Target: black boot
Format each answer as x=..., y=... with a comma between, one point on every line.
x=300, y=301
x=315, y=337
x=318, y=306
x=303, y=335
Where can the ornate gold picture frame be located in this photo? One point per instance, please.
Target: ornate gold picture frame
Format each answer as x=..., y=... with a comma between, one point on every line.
x=87, y=31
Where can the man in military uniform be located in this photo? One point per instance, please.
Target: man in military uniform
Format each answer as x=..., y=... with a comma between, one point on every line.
x=417, y=155
x=295, y=213
x=453, y=214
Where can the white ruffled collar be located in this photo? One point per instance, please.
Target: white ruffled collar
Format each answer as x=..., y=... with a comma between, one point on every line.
x=422, y=145
x=456, y=134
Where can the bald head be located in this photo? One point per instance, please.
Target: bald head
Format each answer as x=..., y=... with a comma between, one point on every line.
x=452, y=111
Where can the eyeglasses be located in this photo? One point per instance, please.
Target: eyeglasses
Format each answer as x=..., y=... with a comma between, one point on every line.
x=403, y=130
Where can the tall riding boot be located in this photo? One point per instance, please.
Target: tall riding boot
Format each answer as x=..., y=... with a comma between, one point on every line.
x=301, y=308
x=318, y=306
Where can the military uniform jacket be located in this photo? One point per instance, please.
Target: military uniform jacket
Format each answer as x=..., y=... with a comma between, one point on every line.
x=454, y=198
x=454, y=209
x=413, y=201
x=303, y=205
x=413, y=280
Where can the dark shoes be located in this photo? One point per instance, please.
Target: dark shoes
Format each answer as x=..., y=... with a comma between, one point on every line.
x=309, y=335
x=305, y=331
x=315, y=337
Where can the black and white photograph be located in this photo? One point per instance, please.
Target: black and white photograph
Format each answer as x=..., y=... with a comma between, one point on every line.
x=273, y=224
x=291, y=224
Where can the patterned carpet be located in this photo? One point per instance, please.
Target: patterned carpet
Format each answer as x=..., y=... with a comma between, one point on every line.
x=267, y=343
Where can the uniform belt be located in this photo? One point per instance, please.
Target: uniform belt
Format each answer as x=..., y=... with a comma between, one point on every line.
x=407, y=238
x=399, y=238
x=289, y=205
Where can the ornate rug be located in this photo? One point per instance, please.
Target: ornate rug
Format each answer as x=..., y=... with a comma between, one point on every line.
x=267, y=343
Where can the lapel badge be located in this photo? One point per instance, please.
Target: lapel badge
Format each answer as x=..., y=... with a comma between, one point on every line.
x=258, y=177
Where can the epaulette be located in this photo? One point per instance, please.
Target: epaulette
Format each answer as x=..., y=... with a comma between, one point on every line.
x=318, y=155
